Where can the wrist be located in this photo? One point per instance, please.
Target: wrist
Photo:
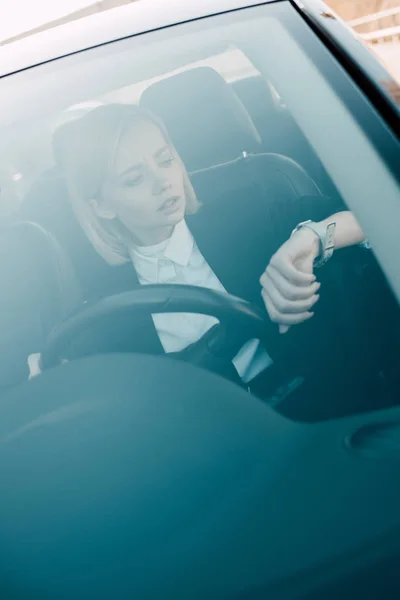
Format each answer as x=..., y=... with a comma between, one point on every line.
x=325, y=234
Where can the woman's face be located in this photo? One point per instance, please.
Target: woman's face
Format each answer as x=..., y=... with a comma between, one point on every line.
x=145, y=190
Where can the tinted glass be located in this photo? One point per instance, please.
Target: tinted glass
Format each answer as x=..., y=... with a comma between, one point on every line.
x=188, y=156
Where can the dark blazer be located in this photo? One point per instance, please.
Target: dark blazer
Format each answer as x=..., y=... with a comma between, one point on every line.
x=237, y=239
x=237, y=234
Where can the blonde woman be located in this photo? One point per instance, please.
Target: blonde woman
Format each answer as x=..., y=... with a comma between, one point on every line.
x=133, y=199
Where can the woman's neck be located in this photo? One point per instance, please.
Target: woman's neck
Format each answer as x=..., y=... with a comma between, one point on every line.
x=149, y=237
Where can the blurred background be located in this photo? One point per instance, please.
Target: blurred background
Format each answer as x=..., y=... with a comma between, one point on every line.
x=377, y=22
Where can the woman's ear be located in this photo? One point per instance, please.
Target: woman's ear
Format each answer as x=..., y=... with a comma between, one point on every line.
x=102, y=211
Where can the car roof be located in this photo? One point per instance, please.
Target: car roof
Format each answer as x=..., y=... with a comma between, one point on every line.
x=117, y=23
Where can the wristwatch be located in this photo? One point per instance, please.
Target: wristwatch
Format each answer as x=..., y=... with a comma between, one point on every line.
x=326, y=236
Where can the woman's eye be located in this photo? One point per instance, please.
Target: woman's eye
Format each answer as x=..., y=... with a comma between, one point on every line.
x=166, y=161
x=133, y=181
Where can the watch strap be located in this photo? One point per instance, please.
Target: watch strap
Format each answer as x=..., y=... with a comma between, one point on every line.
x=326, y=236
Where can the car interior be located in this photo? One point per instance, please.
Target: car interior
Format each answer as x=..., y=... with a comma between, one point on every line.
x=240, y=137
x=233, y=494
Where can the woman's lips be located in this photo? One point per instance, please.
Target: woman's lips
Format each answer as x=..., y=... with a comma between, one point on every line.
x=170, y=205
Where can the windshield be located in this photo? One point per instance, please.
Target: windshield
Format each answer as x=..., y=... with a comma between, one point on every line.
x=212, y=155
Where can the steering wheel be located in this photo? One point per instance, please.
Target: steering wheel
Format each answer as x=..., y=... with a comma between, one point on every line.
x=239, y=320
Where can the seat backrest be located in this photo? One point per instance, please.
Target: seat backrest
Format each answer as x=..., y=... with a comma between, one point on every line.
x=278, y=130
x=215, y=137
x=261, y=102
x=39, y=288
x=206, y=120
x=277, y=175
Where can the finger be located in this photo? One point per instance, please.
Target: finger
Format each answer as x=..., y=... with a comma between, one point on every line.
x=288, y=270
x=286, y=288
x=283, y=305
x=283, y=318
x=306, y=264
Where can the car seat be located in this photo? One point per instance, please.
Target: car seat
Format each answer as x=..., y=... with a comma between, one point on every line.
x=278, y=130
x=39, y=289
x=210, y=127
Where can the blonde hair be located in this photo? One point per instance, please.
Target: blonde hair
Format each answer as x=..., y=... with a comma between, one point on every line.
x=84, y=149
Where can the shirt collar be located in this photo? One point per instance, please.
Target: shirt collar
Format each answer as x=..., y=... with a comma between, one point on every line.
x=180, y=245
x=177, y=249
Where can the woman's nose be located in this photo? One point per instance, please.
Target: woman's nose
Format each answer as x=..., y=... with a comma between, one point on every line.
x=160, y=183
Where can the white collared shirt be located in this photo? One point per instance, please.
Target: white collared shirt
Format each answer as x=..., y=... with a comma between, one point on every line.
x=178, y=260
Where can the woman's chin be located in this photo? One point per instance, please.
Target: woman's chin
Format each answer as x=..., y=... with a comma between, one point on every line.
x=175, y=217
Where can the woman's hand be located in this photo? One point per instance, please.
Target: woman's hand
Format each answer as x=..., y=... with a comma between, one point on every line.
x=34, y=365
x=289, y=286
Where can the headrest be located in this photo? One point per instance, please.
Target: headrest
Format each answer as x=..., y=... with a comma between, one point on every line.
x=205, y=118
x=259, y=98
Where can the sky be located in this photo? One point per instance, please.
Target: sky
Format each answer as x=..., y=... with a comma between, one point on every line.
x=18, y=16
